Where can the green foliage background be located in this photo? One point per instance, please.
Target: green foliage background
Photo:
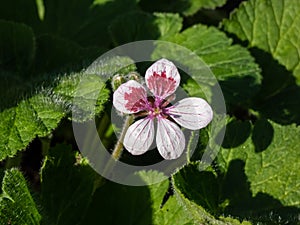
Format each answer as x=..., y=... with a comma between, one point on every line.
x=252, y=47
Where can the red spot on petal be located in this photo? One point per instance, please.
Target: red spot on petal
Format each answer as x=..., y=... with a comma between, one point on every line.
x=163, y=74
x=135, y=99
x=161, y=85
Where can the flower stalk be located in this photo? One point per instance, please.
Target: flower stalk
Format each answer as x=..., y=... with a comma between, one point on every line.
x=117, y=152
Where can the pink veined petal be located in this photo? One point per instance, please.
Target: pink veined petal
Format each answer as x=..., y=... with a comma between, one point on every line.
x=192, y=113
x=139, y=136
x=130, y=97
x=162, y=78
x=170, y=139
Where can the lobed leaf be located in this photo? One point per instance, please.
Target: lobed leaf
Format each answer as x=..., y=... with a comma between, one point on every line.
x=269, y=158
x=37, y=116
x=271, y=25
x=261, y=176
x=83, y=93
x=198, y=192
x=232, y=65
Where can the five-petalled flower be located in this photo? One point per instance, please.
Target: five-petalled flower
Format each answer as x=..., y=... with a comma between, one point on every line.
x=162, y=79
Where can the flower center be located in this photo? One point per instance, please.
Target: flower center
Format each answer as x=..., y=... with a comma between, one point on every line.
x=156, y=111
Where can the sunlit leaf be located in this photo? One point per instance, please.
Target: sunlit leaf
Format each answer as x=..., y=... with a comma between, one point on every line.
x=261, y=170
x=232, y=65
x=16, y=203
x=271, y=25
x=83, y=93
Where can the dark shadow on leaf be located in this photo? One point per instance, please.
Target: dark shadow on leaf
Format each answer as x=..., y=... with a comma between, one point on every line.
x=203, y=138
x=237, y=132
x=237, y=91
x=212, y=17
x=178, y=6
x=66, y=187
x=260, y=208
x=69, y=37
x=262, y=134
x=229, y=194
x=139, y=26
x=200, y=187
x=116, y=204
x=279, y=98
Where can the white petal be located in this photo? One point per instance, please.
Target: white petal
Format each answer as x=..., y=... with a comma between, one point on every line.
x=192, y=113
x=139, y=136
x=162, y=78
x=130, y=97
x=170, y=139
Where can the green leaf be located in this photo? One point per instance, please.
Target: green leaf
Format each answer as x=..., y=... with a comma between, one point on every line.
x=86, y=21
x=132, y=205
x=172, y=213
x=40, y=8
x=271, y=166
x=279, y=96
x=168, y=24
x=283, y=107
x=232, y=65
x=16, y=203
x=185, y=7
x=66, y=187
x=55, y=53
x=211, y=197
x=37, y=116
x=10, y=10
x=144, y=26
x=136, y=205
x=17, y=44
x=260, y=178
x=270, y=25
x=84, y=94
x=198, y=192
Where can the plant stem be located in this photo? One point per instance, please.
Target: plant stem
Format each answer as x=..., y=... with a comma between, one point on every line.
x=45, y=145
x=116, y=154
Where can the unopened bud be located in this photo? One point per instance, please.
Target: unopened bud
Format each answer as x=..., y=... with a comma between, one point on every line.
x=134, y=76
x=117, y=80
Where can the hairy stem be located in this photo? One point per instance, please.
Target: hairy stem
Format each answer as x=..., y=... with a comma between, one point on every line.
x=116, y=154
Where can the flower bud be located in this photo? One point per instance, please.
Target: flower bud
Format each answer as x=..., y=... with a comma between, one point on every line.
x=117, y=80
x=134, y=76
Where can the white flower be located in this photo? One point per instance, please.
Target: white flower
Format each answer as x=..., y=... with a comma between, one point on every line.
x=162, y=79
